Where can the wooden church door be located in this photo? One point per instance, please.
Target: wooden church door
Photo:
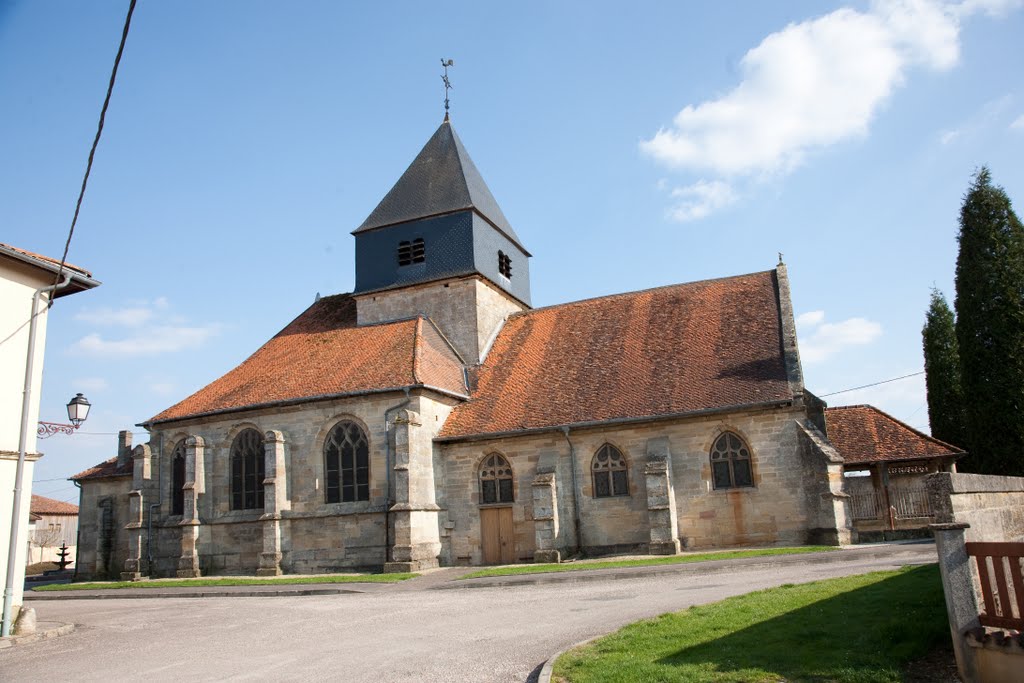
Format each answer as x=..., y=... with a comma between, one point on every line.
x=497, y=537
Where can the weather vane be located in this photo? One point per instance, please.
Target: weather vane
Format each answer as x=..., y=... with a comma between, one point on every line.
x=447, y=84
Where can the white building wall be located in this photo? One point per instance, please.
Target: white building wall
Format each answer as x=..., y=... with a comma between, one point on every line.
x=18, y=284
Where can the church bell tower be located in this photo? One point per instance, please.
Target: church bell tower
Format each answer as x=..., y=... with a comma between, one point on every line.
x=439, y=245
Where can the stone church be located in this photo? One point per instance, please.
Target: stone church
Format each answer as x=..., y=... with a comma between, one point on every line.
x=433, y=417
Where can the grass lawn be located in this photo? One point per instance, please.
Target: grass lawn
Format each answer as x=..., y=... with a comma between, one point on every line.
x=645, y=562
x=859, y=629
x=229, y=581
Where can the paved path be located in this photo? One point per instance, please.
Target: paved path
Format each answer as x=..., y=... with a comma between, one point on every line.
x=403, y=632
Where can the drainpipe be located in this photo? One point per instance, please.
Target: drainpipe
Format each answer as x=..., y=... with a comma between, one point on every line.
x=575, y=492
x=26, y=403
x=387, y=468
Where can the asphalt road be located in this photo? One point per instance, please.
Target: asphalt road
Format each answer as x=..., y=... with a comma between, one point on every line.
x=391, y=633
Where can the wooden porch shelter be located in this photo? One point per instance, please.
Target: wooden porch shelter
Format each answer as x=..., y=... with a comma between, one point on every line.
x=885, y=465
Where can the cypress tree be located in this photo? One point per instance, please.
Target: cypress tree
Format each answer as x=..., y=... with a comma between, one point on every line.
x=942, y=373
x=990, y=328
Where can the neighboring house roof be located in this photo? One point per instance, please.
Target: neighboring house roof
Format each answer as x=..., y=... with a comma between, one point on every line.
x=107, y=468
x=81, y=279
x=441, y=179
x=49, y=506
x=864, y=434
x=675, y=350
x=323, y=354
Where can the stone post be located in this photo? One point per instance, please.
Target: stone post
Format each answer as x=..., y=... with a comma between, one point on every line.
x=274, y=501
x=417, y=541
x=124, y=448
x=545, y=513
x=958, y=586
x=188, y=561
x=141, y=460
x=661, y=499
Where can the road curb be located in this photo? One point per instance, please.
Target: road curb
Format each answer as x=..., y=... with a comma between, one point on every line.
x=828, y=557
x=40, y=634
x=150, y=593
x=549, y=666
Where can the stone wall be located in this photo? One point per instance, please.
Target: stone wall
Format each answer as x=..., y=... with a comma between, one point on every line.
x=783, y=506
x=467, y=310
x=992, y=505
x=102, y=514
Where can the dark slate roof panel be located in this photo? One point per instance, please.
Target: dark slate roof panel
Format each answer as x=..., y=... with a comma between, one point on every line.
x=441, y=179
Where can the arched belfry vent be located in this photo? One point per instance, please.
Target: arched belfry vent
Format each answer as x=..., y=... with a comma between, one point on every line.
x=441, y=179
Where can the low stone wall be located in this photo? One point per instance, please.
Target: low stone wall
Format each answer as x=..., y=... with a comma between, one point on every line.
x=993, y=506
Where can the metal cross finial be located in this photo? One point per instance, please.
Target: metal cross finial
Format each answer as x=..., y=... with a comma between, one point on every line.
x=447, y=84
x=780, y=258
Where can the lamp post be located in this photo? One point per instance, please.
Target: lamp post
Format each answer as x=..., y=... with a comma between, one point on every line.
x=78, y=411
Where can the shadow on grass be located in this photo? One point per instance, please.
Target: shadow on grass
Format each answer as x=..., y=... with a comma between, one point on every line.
x=865, y=634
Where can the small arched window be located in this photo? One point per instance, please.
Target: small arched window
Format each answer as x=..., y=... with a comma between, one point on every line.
x=730, y=462
x=347, y=464
x=247, y=471
x=410, y=252
x=496, y=480
x=178, y=479
x=609, y=469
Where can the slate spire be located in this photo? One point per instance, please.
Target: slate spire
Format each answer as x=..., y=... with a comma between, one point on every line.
x=441, y=179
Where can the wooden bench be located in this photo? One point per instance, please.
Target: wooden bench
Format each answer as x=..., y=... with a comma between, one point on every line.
x=993, y=560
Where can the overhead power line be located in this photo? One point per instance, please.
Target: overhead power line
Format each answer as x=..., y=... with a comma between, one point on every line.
x=873, y=384
x=95, y=142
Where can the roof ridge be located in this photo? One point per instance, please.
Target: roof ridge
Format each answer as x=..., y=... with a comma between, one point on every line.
x=638, y=291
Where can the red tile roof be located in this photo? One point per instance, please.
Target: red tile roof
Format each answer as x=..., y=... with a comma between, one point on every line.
x=864, y=434
x=321, y=354
x=49, y=506
x=47, y=259
x=107, y=468
x=678, y=349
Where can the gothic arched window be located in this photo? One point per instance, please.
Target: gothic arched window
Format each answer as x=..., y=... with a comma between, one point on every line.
x=730, y=462
x=347, y=464
x=495, y=480
x=178, y=479
x=247, y=471
x=609, y=469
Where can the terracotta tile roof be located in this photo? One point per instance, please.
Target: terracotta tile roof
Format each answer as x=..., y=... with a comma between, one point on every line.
x=322, y=353
x=864, y=434
x=678, y=349
x=49, y=506
x=47, y=259
x=107, y=468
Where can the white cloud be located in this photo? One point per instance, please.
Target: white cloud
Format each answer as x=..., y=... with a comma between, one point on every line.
x=810, y=319
x=153, y=340
x=949, y=136
x=994, y=8
x=128, y=316
x=162, y=388
x=823, y=340
x=1018, y=123
x=700, y=199
x=810, y=85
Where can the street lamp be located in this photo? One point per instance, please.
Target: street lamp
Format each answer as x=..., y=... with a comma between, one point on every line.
x=78, y=411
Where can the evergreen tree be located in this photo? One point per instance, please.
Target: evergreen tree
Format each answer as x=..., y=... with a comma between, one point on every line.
x=942, y=373
x=990, y=328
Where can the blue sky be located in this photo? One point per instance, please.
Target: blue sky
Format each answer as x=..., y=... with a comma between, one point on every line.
x=631, y=145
